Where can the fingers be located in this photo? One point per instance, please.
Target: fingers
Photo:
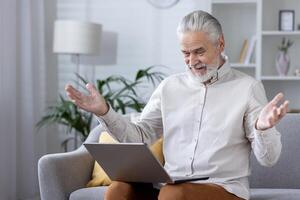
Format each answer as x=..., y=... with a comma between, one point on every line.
x=278, y=113
x=75, y=96
x=71, y=91
x=274, y=117
x=277, y=99
x=91, y=88
x=76, y=100
x=283, y=109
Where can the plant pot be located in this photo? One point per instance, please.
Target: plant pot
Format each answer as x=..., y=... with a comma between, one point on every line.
x=282, y=63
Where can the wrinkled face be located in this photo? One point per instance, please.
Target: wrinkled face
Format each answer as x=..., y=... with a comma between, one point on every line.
x=199, y=52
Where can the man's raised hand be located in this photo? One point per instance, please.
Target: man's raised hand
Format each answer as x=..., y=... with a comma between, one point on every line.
x=93, y=102
x=272, y=113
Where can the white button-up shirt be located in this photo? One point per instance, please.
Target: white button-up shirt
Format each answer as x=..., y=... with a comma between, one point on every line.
x=208, y=130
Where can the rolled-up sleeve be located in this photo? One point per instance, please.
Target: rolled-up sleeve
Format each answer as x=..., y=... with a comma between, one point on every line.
x=266, y=145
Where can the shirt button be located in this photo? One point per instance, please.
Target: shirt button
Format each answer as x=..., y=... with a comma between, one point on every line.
x=191, y=158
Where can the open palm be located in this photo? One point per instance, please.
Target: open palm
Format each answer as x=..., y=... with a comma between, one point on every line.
x=272, y=113
x=93, y=102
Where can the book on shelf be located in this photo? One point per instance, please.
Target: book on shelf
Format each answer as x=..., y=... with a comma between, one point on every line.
x=250, y=50
x=247, y=50
x=243, y=51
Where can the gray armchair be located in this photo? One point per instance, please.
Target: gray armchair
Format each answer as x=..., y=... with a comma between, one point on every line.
x=63, y=173
x=64, y=176
x=282, y=181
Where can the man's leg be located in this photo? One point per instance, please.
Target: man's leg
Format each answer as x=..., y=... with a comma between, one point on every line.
x=130, y=191
x=191, y=191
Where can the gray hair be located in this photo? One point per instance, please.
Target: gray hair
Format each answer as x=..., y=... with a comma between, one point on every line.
x=201, y=21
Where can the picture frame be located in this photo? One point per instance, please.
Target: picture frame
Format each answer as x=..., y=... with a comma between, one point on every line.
x=286, y=20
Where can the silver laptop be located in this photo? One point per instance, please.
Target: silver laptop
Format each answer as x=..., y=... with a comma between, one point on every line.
x=133, y=162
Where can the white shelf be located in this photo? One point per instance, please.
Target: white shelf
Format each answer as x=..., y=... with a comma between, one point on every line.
x=233, y=1
x=280, y=78
x=266, y=33
x=242, y=19
x=242, y=65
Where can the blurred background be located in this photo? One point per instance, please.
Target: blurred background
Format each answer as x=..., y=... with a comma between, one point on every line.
x=114, y=44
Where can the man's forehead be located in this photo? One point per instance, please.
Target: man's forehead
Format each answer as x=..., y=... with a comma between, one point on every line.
x=195, y=48
x=193, y=40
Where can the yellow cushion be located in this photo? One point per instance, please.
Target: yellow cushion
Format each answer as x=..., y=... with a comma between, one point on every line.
x=100, y=178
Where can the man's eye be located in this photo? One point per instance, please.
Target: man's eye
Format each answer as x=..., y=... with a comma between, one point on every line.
x=200, y=52
x=186, y=54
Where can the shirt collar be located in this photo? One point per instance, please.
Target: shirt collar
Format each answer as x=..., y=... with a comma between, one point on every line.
x=224, y=69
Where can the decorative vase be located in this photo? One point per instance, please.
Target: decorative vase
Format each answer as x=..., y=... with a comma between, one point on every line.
x=282, y=63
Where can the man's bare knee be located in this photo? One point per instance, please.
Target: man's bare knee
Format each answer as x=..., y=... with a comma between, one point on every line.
x=119, y=191
x=171, y=192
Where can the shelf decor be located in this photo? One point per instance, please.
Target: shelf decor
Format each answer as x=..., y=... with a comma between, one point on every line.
x=282, y=58
x=297, y=72
x=269, y=21
x=286, y=20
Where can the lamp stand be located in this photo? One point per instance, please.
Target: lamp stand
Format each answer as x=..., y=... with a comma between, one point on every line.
x=77, y=61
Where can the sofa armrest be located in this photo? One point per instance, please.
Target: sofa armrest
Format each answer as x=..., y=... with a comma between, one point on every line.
x=62, y=173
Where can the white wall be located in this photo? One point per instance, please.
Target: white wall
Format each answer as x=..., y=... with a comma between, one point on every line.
x=144, y=35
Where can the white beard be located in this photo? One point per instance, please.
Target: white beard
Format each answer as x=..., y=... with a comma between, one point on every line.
x=211, y=71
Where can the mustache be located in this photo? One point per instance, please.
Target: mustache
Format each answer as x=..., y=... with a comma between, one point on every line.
x=199, y=65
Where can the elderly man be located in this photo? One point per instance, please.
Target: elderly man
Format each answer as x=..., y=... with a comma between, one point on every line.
x=210, y=117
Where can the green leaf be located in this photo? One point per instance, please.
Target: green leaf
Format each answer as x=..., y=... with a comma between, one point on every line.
x=121, y=105
x=81, y=78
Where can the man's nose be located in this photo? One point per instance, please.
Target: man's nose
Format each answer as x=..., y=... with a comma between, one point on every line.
x=193, y=59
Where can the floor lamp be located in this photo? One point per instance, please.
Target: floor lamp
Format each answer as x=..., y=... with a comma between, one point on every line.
x=76, y=38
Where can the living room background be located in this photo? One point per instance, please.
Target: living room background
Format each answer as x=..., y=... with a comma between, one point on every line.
x=135, y=35
x=32, y=76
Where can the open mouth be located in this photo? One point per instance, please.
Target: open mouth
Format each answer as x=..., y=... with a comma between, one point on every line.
x=200, y=67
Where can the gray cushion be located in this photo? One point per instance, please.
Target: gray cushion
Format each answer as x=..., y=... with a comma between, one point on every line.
x=93, y=193
x=275, y=194
x=285, y=173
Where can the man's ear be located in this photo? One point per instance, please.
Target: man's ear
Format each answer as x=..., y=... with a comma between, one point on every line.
x=221, y=43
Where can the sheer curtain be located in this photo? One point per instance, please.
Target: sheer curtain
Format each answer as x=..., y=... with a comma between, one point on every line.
x=8, y=99
x=24, y=87
x=30, y=93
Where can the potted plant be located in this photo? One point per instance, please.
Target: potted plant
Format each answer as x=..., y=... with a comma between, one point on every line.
x=282, y=58
x=122, y=94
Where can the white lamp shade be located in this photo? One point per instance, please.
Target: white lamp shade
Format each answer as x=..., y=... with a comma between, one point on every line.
x=76, y=37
